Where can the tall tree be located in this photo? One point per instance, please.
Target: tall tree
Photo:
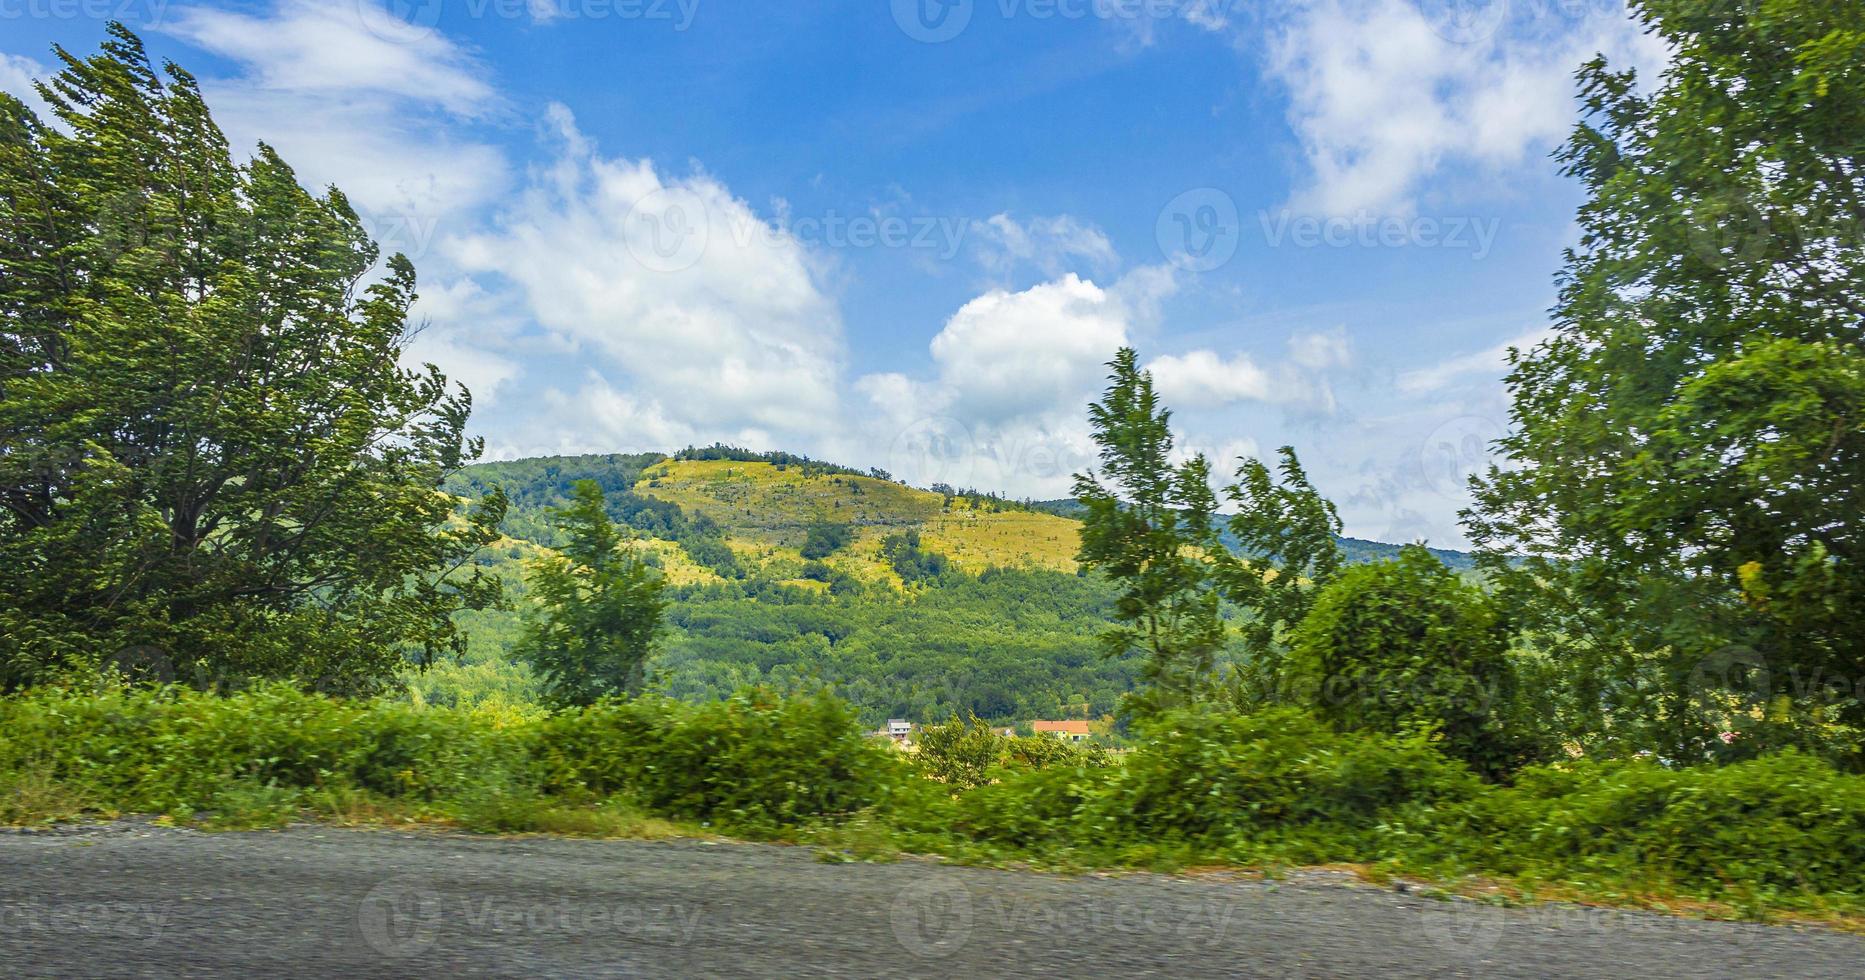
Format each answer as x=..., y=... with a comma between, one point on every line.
x=597, y=609
x=207, y=444
x=1146, y=524
x=1289, y=536
x=1691, y=494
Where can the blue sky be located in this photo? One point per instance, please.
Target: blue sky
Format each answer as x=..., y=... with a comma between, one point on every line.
x=908, y=233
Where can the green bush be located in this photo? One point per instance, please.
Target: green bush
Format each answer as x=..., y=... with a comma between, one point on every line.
x=1783, y=824
x=1239, y=782
x=754, y=761
x=1281, y=786
x=178, y=751
x=969, y=753
x=1405, y=644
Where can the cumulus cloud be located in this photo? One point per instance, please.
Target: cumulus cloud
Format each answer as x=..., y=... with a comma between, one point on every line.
x=1203, y=379
x=1013, y=374
x=714, y=316
x=305, y=46
x=1386, y=93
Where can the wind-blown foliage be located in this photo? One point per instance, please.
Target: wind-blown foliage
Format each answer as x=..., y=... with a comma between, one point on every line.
x=209, y=452
x=1289, y=535
x=1140, y=528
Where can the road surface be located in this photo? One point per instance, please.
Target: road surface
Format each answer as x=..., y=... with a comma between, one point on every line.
x=135, y=900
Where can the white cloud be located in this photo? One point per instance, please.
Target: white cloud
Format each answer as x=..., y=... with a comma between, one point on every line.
x=304, y=46
x=714, y=315
x=1489, y=365
x=16, y=77
x=1007, y=354
x=1382, y=96
x=1202, y=379
x=1014, y=372
x=414, y=179
x=1050, y=245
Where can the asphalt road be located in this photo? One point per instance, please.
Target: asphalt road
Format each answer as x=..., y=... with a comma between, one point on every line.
x=132, y=900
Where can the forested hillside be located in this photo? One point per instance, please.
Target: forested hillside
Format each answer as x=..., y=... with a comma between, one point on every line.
x=791, y=571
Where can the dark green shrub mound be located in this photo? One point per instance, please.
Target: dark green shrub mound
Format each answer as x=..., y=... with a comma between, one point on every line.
x=1783, y=824
x=755, y=760
x=1240, y=780
x=1407, y=644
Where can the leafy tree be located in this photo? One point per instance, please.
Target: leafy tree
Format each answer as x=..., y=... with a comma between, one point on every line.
x=1144, y=528
x=1405, y=644
x=1289, y=538
x=1692, y=438
x=911, y=562
x=823, y=540
x=207, y=445
x=598, y=606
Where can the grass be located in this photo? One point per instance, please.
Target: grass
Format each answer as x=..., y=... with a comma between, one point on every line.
x=766, y=511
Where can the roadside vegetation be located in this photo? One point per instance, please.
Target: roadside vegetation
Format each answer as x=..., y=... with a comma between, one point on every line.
x=239, y=543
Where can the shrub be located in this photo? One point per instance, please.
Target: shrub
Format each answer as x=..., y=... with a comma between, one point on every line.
x=968, y=753
x=1783, y=824
x=755, y=761
x=1238, y=781
x=1404, y=644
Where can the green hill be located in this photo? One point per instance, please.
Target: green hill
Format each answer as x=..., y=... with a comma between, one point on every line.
x=792, y=571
